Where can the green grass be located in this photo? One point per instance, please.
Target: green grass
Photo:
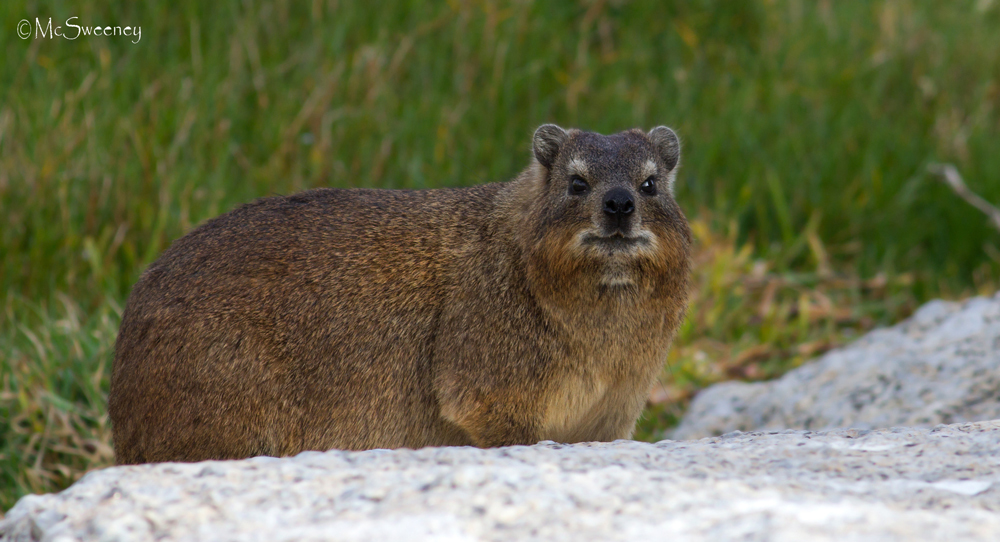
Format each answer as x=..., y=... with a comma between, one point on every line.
x=53, y=394
x=807, y=127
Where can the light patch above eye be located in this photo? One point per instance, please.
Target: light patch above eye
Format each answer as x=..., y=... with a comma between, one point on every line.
x=648, y=169
x=578, y=167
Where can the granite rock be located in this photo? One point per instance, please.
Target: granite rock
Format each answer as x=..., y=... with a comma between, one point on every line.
x=940, y=366
x=892, y=484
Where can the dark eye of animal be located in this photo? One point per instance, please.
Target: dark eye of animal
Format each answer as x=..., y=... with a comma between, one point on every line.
x=648, y=186
x=578, y=186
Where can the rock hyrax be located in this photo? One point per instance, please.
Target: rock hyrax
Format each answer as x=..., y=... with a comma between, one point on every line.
x=508, y=313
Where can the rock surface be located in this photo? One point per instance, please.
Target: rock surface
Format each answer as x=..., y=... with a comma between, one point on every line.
x=940, y=366
x=893, y=484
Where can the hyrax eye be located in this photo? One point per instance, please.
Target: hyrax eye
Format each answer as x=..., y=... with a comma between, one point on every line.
x=578, y=186
x=648, y=186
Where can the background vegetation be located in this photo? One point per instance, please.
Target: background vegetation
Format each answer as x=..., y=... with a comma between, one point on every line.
x=807, y=127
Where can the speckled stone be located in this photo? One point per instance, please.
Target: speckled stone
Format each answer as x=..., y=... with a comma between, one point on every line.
x=940, y=366
x=893, y=484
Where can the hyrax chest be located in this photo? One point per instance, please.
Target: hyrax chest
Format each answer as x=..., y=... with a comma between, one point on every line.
x=597, y=394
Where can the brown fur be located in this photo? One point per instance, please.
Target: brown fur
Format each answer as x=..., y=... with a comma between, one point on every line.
x=359, y=319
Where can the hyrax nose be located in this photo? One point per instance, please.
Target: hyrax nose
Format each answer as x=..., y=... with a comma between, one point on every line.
x=618, y=204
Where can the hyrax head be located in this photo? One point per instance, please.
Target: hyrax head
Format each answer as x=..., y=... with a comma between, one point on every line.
x=612, y=196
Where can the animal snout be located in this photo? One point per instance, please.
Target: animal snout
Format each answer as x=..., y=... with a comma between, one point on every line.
x=618, y=204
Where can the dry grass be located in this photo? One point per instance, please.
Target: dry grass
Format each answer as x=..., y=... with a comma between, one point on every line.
x=750, y=321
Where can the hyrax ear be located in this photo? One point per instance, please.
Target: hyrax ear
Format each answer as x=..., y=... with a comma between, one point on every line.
x=667, y=145
x=546, y=143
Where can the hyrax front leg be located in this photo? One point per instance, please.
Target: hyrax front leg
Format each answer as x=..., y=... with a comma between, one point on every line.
x=492, y=358
x=490, y=419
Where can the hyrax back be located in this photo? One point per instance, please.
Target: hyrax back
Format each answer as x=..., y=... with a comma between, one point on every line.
x=508, y=313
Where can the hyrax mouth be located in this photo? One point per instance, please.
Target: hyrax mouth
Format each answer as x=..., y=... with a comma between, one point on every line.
x=617, y=241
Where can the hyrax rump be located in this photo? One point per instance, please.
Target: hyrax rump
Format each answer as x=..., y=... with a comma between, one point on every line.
x=508, y=313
